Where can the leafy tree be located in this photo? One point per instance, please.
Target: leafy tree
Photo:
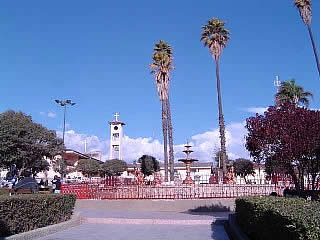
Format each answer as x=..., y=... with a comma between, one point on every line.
x=88, y=166
x=161, y=66
x=114, y=167
x=60, y=166
x=243, y=167
x=305, y=10
x=215, y=37
x=23, y=142
x=38, y=166
x=295, y=94
x=287, y=139
x=149, y=165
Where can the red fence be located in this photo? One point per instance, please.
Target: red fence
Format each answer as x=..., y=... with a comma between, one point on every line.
x=197, y=191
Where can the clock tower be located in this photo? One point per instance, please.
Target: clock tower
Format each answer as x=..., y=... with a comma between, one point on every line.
x=116, y=134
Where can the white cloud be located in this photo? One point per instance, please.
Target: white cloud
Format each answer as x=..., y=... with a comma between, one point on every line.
x=49, y=114
x=204, y=144
x=52, y=114
x=259, y=110
x=76, y=142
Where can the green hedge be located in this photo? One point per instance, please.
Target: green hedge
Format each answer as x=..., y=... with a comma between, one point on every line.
x=264, y=218
x=21, y=213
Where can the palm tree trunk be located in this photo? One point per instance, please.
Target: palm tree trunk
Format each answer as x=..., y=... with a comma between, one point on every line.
x=171, y=156
x=165, y=139
x=314, y=48
x=221, y=123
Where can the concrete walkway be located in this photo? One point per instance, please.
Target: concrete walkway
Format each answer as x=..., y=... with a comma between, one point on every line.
x=138, y=232
x=116, y=224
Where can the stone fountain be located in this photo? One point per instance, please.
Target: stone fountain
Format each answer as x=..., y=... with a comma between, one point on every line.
x=188, y=161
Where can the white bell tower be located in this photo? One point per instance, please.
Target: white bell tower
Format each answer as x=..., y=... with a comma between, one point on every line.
x=116, y=134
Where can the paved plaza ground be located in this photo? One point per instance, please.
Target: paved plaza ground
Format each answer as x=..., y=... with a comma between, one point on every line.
x=103, y=222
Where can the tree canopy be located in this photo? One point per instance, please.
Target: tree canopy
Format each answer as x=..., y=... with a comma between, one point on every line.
x=149, y=165
x=287, y=139
x=88, y=166
x=243, y=167
x=24, y=143
x=215, y=36
x=114, y=167
x=291, y=92
x=161, y=66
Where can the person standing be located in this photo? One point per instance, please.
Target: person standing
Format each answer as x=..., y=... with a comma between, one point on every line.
x=56, y=184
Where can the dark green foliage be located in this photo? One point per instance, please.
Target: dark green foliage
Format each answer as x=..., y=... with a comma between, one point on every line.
x=149, y=165
x=271, y=218
x=113, y=167
x=291, y=92
x=24, y=142
x=60, y=166
x=243, y=167
x=88, y=166
x=38, y=166
x=313, y=194
x=21, y=213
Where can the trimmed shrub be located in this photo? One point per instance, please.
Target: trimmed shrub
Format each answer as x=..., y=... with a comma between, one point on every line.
x=270, y=218
x=21, y=213
x=313, y=194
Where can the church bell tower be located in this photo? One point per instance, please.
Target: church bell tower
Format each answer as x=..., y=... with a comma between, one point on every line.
x=116, y=135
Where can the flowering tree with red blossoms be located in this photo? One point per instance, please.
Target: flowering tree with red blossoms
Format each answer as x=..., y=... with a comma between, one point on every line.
x=287, y=140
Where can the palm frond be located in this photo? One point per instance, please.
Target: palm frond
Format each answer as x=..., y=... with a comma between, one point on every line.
x=289, y=91
x=161, y=67
x=305, y=10
x=215, y=36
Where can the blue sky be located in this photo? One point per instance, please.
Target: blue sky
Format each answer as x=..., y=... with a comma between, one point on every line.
x=97, y=54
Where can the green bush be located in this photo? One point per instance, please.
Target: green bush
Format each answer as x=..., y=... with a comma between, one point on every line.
x=264, y=218
x=21, y=213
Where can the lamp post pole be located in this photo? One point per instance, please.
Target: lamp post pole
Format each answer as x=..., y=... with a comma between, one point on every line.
x=64, y=122
x=64, y=104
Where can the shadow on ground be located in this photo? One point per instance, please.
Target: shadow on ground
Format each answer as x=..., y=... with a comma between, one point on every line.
x=218, y=230
x=208, y=210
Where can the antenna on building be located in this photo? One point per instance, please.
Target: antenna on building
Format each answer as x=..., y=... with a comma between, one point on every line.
x=277, y=83
x=85, y=145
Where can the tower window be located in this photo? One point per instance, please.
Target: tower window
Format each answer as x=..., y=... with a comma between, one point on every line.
x=115, y=128
x=116, y=148
x=115, y=136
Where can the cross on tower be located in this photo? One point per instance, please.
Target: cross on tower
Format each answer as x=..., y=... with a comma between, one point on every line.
x=116, y=116
x=277, y=83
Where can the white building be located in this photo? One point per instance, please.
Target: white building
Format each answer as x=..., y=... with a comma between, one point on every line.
x=116, y=138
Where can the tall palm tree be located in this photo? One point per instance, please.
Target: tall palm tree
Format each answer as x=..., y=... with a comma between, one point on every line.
x=305, y=10
x=289, y=91
x=162, y=46
x=215, y=37
x=161, y=67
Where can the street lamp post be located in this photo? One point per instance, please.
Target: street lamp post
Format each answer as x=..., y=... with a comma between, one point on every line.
x=64, y=104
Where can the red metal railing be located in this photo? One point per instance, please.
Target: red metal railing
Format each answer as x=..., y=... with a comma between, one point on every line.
x=196, y=191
